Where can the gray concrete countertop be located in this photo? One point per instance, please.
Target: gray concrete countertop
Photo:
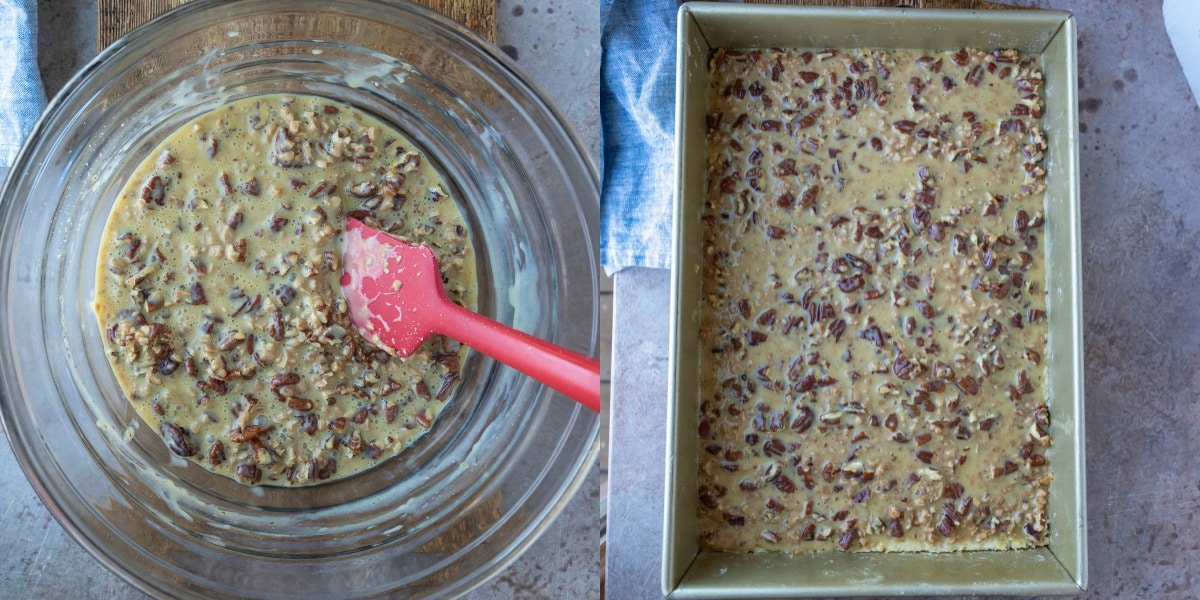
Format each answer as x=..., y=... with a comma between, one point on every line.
x=544, y=37
x=1141, y=278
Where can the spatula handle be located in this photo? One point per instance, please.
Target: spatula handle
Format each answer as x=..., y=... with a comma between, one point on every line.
x=569, y=372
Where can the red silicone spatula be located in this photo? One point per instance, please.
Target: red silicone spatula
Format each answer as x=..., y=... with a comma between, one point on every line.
x=396, y=299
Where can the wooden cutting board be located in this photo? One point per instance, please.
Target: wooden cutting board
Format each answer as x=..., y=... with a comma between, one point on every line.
x=115, y=18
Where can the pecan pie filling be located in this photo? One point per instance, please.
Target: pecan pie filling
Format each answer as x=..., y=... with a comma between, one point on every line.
x=873, y=318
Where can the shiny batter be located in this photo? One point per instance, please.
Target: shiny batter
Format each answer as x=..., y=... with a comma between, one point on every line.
x=874, y=303
x=218, y=291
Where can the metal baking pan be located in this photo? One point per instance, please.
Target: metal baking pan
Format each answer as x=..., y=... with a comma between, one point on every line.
x=1059, y=568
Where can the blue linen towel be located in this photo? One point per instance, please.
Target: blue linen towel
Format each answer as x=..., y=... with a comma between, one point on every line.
x=637, y=113
x=21, y=95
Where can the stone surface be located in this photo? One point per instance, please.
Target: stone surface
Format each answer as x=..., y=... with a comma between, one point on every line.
x=556, y=44
x=1141, y=275
x=637, y=422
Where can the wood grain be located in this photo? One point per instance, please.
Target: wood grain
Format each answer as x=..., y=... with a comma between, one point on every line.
x=479, y=15
x=115, y=18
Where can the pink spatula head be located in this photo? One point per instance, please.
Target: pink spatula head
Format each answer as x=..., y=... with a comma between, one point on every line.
x=396, y=299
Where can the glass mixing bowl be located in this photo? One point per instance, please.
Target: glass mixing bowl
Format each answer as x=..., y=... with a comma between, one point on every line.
x=498, y=465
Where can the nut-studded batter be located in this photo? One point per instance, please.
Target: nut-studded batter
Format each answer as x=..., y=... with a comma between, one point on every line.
x=218, y=291
x=874, y=311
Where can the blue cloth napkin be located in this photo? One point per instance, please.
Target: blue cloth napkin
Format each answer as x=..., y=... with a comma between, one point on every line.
x=21, y=95
x=637, y=113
